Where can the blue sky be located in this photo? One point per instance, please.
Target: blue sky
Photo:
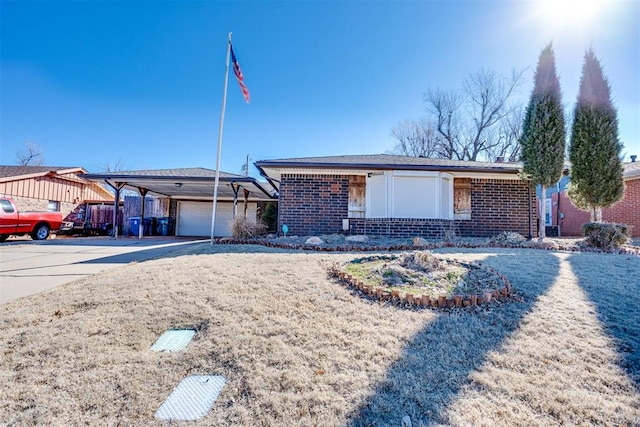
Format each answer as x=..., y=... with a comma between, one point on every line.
x=140, y=83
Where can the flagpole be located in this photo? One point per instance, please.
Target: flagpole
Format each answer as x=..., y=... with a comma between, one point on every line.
x=224, y=106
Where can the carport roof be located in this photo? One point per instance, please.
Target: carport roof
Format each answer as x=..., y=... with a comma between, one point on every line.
x=183, y=183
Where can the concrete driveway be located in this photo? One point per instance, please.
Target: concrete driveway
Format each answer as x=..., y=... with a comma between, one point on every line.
x=28, y=267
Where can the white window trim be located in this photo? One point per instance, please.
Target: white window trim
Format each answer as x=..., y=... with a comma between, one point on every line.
x=446, y=212
x=548, y=212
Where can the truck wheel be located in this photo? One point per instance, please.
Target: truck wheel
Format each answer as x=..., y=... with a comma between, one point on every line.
x=3, y=237
x=41, y=232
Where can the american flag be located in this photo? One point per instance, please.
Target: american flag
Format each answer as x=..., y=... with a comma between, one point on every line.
x=238, y=72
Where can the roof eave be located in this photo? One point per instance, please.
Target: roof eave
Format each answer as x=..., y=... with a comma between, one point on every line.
x=53, y=173
x=383, y=166
x=124, y=178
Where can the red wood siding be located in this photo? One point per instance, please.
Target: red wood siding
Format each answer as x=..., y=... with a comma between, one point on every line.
x=65, y=190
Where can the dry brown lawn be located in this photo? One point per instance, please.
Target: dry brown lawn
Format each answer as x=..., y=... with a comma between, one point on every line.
x=299, y=349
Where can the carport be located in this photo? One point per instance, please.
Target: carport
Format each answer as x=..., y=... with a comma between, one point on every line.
x=192, y=189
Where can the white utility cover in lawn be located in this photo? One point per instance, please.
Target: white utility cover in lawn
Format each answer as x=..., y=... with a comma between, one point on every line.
x=174, y=340
x=194, y=218
x=192, y=398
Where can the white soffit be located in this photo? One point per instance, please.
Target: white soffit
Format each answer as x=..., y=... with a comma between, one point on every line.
x=317, y=171
x=192, y=399
x=277, y=172
x=485, y=175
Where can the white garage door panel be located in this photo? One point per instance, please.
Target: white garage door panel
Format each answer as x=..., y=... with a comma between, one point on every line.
x=194, y=218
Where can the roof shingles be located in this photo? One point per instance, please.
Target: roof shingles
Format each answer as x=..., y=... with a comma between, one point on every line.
x=385, y=160
x=16, y=171
x=171, y=173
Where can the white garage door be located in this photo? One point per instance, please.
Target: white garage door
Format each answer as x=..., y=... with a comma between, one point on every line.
x=194, y=218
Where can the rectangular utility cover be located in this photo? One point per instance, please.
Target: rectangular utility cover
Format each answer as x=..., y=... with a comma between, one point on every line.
x=174, y=340
x=192, y=398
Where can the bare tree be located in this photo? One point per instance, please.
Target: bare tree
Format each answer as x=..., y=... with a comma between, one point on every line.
x=487, y=94
x=117, y=166
x=30, y=155
x=475, y=122
x=416, y=139
x=445, y=108
x=508, y=135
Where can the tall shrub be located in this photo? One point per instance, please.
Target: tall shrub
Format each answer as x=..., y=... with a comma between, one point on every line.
x=543, y=130
x=270, y=216
x=594, y=152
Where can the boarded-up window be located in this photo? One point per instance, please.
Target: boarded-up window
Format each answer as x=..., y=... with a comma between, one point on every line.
x=356, y=196
x=415, y=196
x=462, y=198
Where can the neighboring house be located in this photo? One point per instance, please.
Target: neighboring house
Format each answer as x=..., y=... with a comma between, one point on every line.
x=49, y=188
x=185, y=198
x=570, y=218
x=399, y=196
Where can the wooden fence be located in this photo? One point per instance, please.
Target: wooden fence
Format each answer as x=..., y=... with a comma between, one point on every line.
x=154, y=207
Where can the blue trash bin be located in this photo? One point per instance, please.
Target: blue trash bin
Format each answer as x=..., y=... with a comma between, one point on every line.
x=134, y=225
x=149, y=226
x=164, y=226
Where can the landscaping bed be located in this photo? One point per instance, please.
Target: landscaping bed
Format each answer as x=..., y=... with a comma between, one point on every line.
x=343, y=243
x=423, y=279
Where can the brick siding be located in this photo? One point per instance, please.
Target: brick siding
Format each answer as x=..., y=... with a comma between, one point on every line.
x=31, y=204
x=311, y=205
x=497, y=206
x=626, y=211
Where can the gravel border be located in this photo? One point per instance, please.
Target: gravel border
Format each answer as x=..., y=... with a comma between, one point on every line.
x=338, y=243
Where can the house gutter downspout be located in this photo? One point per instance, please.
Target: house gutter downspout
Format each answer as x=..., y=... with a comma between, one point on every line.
x=558, y=210
x=530, y=213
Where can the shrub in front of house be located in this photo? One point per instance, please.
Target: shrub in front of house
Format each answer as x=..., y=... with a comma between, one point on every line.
x=270, y=217
x=242, y=228
x=606, y=235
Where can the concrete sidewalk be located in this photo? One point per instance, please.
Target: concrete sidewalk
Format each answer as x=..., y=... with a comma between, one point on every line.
x=29, y=267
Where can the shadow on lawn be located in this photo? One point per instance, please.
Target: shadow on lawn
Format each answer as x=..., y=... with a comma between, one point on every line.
x=188, y=248
x=440, y=358
x=615, y=291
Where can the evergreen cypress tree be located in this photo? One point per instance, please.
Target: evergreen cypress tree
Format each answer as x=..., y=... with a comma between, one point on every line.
x=596, y=170
x=543, y=130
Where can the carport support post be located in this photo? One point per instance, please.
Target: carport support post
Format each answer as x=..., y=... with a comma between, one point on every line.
x=246, y=201
x=116, y=202
x=235, y=199
x=143, y=192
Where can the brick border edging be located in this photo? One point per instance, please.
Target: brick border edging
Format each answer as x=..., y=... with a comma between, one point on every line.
x=426, y=301
x=410, y=247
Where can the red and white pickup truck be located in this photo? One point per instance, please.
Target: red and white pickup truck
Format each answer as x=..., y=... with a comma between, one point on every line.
x=37, y=224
